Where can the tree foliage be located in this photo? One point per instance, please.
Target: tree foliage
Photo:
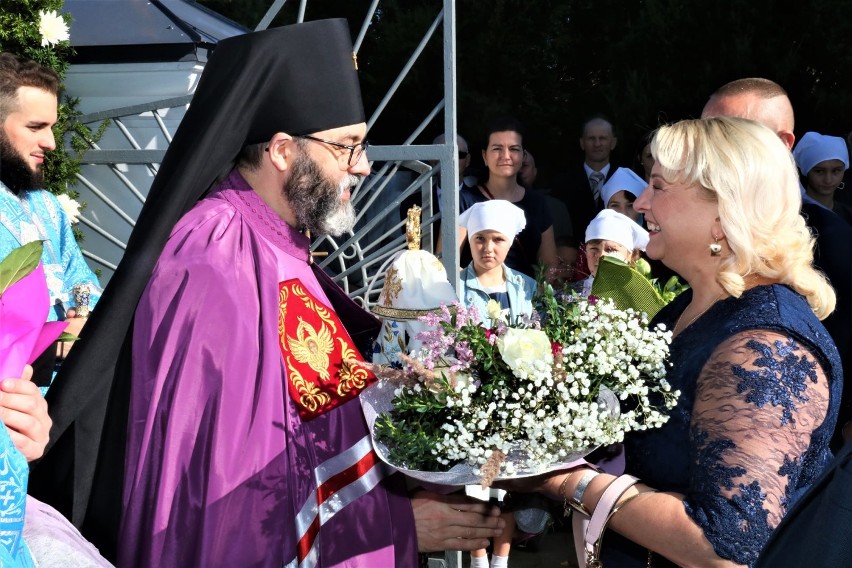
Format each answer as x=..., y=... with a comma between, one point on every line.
x=554, y=62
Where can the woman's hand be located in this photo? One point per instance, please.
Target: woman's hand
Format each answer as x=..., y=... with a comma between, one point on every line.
x=453, y=522
x=24, y=412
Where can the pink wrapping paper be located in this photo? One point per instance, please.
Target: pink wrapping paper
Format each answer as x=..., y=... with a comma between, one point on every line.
x=24, y=335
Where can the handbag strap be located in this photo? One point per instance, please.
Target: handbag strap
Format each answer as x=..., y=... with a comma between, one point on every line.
x=601, y=515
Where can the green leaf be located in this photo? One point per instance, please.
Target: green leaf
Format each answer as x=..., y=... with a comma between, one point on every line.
x=65, y=336
x=20, y=262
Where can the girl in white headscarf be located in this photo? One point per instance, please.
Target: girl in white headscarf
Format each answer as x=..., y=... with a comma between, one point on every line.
x=822, y=161
x=491, y=228
x=613, y=234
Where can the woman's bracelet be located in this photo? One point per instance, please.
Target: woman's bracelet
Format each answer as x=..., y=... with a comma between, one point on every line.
x=576, y=500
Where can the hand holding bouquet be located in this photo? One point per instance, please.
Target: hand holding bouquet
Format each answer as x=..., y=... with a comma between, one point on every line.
x=24, y=303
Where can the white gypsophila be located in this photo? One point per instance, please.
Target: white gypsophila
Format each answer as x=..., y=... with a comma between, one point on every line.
x=52, y=28
x=550, y=410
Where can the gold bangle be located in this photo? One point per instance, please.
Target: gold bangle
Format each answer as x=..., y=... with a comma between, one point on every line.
x=618, y=506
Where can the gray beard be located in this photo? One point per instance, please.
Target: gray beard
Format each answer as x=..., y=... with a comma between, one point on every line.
x=316, y=200
x=340, y=222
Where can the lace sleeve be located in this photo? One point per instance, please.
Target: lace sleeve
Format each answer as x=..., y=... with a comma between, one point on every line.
x=758, y=399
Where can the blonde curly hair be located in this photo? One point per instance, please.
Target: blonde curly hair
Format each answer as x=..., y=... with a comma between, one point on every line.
x=745, y=168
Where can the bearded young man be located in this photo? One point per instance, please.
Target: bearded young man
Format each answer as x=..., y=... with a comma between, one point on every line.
x=28, y=111
x=246, y=444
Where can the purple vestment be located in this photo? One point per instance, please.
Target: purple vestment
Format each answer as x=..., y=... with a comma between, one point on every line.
x=220, y=469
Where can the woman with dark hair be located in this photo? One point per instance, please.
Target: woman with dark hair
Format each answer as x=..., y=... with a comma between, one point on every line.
x=644, y=157
x=503, y=156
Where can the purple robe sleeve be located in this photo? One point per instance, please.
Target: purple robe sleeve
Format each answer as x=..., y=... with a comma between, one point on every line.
x=219, y=466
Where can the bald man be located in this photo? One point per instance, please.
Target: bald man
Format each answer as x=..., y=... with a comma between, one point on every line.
x=766, y=102
x=760, y=100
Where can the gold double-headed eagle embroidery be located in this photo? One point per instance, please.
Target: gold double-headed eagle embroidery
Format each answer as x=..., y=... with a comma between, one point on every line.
x=315, y=346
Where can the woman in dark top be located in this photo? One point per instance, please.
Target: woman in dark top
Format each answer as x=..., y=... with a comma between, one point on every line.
x=758, y=375
x=503, y=156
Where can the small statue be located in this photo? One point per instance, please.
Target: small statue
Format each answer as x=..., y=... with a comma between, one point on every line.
x=412, y=228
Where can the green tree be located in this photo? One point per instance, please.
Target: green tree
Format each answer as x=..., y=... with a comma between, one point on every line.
x=552, y=63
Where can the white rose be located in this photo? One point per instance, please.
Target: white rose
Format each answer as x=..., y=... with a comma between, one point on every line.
x=70, y=207
x=520, y=348
x=52, y=28
x=494, y=311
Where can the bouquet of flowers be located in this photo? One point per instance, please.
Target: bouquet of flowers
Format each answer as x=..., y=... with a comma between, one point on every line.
x=24, y=302
x=476, y=404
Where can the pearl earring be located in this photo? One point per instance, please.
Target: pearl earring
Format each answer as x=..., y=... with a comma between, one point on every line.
x=715, y=248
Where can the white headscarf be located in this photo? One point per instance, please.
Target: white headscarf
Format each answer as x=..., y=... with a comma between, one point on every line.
x=814, y=148
x=493, y=215
x=611, y=225
x=623, y=179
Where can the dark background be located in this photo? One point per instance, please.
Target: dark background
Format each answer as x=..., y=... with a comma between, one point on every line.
x=553, y=63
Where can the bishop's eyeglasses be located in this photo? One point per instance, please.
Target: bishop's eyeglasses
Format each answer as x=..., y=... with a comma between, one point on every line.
x=355, y=150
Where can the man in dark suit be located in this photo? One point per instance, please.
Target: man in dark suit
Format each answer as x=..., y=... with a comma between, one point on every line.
x=764, y=101
x=579, y=188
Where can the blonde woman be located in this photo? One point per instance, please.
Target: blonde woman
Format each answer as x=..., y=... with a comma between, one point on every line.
x=758, y=376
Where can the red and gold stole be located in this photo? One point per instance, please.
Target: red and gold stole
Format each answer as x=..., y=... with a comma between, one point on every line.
x=318, y=353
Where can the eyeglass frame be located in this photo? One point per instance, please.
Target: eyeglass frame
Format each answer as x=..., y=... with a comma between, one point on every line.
x=351, y=147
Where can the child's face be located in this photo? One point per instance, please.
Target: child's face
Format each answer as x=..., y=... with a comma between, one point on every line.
x=489, y=249
x=824, y=177
x=622, y=202
x=595, y=249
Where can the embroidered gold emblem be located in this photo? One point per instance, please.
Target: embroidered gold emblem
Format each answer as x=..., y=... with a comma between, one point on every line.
x=352, y=377
x=392, y=287
x=312, y=347
x=320, y=358
x=310, y=396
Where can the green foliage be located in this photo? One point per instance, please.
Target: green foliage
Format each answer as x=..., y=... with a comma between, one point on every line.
x=412, y=429
x=554, y=62
x=19, y=34
x=20, y=262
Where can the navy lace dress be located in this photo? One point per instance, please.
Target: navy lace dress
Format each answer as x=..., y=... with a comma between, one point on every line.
x=748, y=437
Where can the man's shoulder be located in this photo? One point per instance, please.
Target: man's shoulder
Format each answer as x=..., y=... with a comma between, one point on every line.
x=831, y=230
x=210, y=213
x=571, y=171
x=468, y=196
x=209, y=234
